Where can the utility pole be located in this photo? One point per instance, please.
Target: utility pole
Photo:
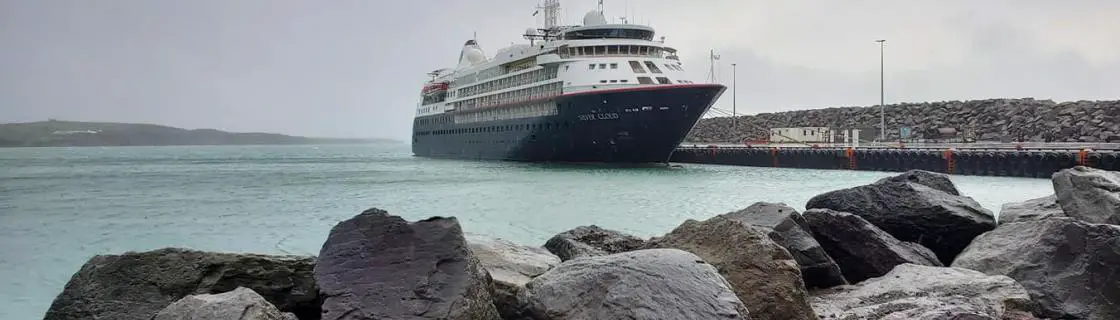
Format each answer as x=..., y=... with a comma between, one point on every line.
x=882, y=106
x=734, y=115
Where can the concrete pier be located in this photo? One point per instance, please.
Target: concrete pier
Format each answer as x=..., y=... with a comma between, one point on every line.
x=1037, y=160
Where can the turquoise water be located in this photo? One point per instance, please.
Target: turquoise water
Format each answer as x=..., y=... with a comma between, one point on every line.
x=59, y=206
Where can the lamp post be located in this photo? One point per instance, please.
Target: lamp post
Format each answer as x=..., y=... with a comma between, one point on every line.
x=734, y=115
x=882, y=107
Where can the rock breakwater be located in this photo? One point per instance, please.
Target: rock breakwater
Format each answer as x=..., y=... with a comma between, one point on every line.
x=987, y=120
x=768, y=261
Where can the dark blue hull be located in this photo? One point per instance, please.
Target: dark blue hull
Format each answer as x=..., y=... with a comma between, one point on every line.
x=638, y=125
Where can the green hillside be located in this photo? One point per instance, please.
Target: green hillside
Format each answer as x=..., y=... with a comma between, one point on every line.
x=71, y=133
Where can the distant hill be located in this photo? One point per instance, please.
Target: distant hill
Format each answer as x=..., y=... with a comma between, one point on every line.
x=55, y=133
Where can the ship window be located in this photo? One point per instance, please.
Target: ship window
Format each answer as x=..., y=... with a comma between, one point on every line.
x=602, y=66
x=624, y=81
x=652, y=67
x=643, y=50
x=614, y=81
x=591, y=66
x=614, y=66
x=664, y=80
x=612, y=49
x=637, y=66
x=602, y=81
x=645, y=80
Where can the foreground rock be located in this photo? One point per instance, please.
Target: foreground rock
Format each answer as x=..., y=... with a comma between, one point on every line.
x=1030, y=210
x=913, y=212
x=860, y=249
x=1068, y=266
x=379, y=266
x=934, y=180
x=1088, y=194
x=511, y=266
x=787, y=227
x=642, y=284
x=763, y=274
x=137, y=285
x=923, y=292
x=239, y=304
x=587, y=241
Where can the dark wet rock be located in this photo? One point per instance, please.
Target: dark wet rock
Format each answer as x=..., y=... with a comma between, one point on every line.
x=137, y=285
x=762, y=274
x=860, y=249
x=912, y=291
x=591, y=240
x=642, y=284
x=240, y=304
x=379, y=266
x=913, y=212
x=1069, y=267
x=934, y=180
x=1034, y=209
x=1089, y=194
x=511, y=266
x=787, y=227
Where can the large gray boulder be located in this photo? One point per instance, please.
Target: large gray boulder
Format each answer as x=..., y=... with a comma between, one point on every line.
x=860, y=249
x=787, y=227
x=642, y=284
x=1034, y=209
x=1067, y=266
x=587, y=241
x=912, y=291
x=935, y=180
x=147, y=282
x=913, y=212
x=511, y=266
x=240, y=304
x=761, y=272
x=1088, y=194
x=379, y=266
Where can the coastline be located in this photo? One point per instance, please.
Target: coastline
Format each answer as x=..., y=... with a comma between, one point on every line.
x=733, y=239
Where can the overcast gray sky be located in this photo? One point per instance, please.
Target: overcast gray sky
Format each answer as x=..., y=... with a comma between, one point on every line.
x=354, y=68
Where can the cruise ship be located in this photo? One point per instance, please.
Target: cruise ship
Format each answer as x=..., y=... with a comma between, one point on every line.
x=596, y=92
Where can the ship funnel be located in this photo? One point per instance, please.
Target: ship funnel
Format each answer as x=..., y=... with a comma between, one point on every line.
x=471, y=54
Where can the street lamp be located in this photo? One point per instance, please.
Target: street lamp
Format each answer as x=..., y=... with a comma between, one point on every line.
x=734, y=120
x=882, y=107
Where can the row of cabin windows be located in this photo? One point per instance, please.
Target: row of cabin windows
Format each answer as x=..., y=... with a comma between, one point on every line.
x=613, y=50
x=439, y=120
x=537, y=92
x=502, y=128
x=539, y=109
x=637, y=67
x=648, y=80
x=509, y=82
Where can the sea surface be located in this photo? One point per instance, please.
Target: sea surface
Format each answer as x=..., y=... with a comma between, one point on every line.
x=60, y=206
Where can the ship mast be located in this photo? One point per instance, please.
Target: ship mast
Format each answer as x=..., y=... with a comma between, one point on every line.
x=551, y=11
x=712, y=56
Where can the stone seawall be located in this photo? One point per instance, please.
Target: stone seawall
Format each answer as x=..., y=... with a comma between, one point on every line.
x=986, y=120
